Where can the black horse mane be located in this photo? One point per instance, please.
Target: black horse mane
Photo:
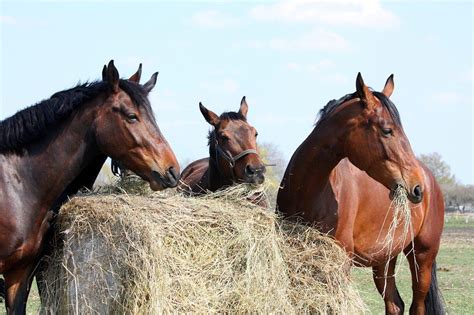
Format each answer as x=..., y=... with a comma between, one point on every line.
x=35, y=121
x=332, y=105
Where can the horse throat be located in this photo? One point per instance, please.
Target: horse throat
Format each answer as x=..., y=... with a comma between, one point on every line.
x=217, y=180
x=306, y=190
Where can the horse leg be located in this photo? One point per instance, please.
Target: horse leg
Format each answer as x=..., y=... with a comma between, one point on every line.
x=18, y=279
x=424, y=284
x=18, y=283
x=387, y=287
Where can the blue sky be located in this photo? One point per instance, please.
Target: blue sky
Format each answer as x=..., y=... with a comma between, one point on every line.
x=289, y=58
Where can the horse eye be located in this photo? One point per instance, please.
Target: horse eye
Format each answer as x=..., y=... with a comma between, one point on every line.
x=256, y=134
x=132, y=117
x=224, y=138
x=387, y=131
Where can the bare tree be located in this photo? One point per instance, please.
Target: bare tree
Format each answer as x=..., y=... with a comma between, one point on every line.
x=441, y=170
x=276, y=165
x=456, y=195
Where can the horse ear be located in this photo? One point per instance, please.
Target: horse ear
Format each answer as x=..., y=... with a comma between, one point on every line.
x=151, y=83
x=104, y=73
x=112, y=76
x=210, y=116
x=389, y=86
x=244, y=108
x=137, y=75
x=364, y=93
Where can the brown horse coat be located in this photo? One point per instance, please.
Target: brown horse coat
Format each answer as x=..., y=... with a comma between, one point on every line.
x=341, y=179
x=50, y=150
x=233, y=156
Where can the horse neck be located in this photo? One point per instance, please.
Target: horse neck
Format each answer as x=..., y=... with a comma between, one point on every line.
x=320, y=153
x=216, y=179
x=55, y=161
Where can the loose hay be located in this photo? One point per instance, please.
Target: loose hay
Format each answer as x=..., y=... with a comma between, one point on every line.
x=217, y=254
x=401, y=219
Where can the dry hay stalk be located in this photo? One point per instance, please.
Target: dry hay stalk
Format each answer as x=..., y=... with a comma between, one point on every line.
x=401, y=223
x=216, y=254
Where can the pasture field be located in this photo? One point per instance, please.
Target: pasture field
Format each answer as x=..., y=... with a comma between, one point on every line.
x=455, y=272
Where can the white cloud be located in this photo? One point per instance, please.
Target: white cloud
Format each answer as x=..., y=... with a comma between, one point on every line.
x=213, y=19
x=449, y=98
x=431, y=38
x=323, y=70
x=318, y=67
x=338, y=78
x=467, y=75
x=315, y=40
x=293, y=66
x=132, y=62
x=364, y=13
x=226, y=85
x=276, y=119
x=9, y=20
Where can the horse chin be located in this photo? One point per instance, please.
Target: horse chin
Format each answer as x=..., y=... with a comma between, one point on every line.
x=156, y=186
x=156, y=183
x=258, y=180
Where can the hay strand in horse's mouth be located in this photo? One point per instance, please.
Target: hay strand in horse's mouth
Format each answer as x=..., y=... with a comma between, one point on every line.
x=401, y=218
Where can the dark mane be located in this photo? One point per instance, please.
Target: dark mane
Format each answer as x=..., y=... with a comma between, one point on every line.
x=331, y=106
x=35, y=121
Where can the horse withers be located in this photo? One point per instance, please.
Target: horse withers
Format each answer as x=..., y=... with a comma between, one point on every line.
x=233, y=156
x=342, y=178
x=50, y=150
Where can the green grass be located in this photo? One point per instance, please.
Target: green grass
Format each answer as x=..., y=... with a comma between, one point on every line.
x=455, y=264
x=455, y=270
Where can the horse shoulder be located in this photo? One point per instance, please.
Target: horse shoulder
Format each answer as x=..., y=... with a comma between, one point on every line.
x=344, y=185
x=193, y=177
x=433, y=211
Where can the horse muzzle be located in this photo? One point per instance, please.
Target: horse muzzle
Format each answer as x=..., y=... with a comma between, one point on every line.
x=255, y=175
x=169, y=180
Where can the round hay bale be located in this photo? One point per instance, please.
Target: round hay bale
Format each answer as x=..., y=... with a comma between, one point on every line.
x=169, y=253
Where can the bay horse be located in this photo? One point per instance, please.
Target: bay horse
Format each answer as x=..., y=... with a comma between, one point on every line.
x=50, y=150
x=233, y=156
x=341, y=179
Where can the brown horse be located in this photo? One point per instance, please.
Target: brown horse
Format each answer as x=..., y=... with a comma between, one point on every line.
x=341, y=178
x=52, y=149
x=233, y=156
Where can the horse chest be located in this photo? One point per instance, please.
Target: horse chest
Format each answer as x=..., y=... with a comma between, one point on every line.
x=23, y=244
x=21, y=234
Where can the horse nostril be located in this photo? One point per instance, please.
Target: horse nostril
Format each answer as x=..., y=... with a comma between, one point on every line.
x=417, y=194
x=417, y=191
x=249, y=170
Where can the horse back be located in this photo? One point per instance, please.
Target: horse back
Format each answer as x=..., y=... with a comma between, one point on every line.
x=194, y=178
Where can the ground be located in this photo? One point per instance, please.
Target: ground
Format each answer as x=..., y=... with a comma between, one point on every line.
x=455, y=272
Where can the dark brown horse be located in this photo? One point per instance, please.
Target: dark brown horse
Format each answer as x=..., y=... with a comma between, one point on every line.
x=341, y=178
x=233, y=156
x=52, y=149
